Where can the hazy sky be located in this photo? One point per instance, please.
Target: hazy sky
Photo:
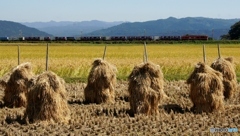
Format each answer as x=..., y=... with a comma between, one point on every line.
x=115, y=10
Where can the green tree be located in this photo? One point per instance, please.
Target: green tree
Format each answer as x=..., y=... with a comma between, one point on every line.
x=225, y=37
x=234, y=32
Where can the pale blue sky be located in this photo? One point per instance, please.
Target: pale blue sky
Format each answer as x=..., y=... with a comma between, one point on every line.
x=115, y=10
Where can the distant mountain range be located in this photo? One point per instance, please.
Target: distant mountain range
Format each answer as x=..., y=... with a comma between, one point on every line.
x=162, y=27
x=67, y=28
x=172, y=27
x=13, y=29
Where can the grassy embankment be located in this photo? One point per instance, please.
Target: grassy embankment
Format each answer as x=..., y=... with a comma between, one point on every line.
x=72, y=61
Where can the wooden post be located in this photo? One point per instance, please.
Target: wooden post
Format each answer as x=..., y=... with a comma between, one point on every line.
x=47, y=58
x=204, y=54
x=18, y=54
x=145, y=53
x=219, y=53
x=144, y=59
x=104, y=53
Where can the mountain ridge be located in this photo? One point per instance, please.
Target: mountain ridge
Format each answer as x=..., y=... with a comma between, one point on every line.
x=171, y=26
x=14, y=29
x=213, y=27
x=68, y=28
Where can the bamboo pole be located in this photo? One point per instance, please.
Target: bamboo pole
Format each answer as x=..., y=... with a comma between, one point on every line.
x=144, y=58
x=204, y=54
x=104, y=53
x=219, y=53
x=18, y=54
x=145, y=52
x=47, y=58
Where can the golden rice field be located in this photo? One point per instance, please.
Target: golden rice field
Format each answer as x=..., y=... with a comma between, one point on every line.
x=73, y=60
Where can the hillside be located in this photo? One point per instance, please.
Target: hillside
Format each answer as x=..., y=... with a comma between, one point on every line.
x=171, y=26
x=13, y=29
x=68, y=28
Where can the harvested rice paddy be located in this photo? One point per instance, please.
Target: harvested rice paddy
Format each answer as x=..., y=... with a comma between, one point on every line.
x=73, y=61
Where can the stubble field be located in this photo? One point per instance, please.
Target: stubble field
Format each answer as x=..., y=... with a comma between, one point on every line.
x=72, y=61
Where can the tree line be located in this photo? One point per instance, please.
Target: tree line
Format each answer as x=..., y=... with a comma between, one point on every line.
x=233, y=33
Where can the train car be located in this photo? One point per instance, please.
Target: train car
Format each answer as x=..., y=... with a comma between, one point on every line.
x=32, y=38
x=169, y=38
x=146, y=38
x=13, y=38
x=106, y=38
x=194, y=37
x=28, y=38
x=131, y=38
x=71, y=38
x=60, y=38
x=139, y=38
x=47, y=38
x=176, y=38
x=89, y=38
x=77, y=38
x=84, y=38
x=21, y=38
x=4, y=38
x=118, y=38
x=94, y=38
x=155, y=38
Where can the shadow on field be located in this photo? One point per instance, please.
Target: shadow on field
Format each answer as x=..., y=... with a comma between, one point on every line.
x=1, y=104
x=80, y=102
x=175, y=108
x=114, y=112
x=123, y=98
x=106, y=111
x=19, y=119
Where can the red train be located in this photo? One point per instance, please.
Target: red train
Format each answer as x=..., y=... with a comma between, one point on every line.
x=194, y=37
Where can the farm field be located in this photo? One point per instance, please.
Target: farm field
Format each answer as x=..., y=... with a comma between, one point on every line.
x=72, y=61
x=175, y=117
